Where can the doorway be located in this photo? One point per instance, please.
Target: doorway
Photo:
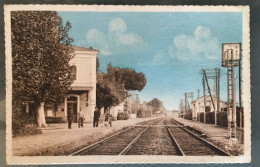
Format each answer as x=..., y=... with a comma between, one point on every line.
x=72, y=103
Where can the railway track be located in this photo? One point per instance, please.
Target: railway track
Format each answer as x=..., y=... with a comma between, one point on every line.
x=118, y=143
x=155, y=137
x=156, y=140
x=191, y=144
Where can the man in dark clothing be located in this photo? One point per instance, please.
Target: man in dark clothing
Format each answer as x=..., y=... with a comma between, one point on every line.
x=70, y=117
x=96, y=117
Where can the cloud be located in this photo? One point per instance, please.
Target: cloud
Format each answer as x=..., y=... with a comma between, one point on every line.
x=117, y=25
x=116, y=40
x=199, y=46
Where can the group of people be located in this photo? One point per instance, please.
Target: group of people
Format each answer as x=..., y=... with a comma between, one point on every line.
x=81, y=118
x=108, y=118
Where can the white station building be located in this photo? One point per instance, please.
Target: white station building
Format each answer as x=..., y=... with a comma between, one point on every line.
x=82, y=92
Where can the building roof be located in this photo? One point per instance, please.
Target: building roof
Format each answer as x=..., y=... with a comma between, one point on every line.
x=207, y=97
x=77, y=48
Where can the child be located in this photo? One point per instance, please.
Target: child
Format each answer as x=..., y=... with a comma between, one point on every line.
x=108, y=120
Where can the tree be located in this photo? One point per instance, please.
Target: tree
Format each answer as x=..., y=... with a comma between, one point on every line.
x=131, y=79
x=109, y=93
x=41, y=55
x=112, y=87
x=97, y=64
x=156, y=104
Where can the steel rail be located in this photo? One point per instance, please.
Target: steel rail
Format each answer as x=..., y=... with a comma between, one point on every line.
x=96, y=143
x=157, y=126
x=203, y=140
x=175, y=141
x=127, y=148
x=109, y=137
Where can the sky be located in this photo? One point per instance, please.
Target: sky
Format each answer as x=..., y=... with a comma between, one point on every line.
x=170, y=48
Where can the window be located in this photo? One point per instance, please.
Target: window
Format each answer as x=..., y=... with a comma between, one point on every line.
x=73, y=73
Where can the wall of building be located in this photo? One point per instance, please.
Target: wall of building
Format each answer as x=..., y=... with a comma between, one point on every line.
x=84, y=86
x=198, y=105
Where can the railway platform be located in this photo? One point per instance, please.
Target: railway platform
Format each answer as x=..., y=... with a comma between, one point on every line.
x=57, y=139
x=215, y=134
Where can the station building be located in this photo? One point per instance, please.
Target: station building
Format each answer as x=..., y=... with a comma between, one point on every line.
x=198, y=105
x=82, y=92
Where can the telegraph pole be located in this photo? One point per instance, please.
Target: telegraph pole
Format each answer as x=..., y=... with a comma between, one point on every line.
x=241, y=109
x=211, y=74
x=204, y=93
x=186, y=103
x=218, y=92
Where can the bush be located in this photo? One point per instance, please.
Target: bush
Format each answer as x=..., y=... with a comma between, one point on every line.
x=200, y=116
x=55, y=120
x=210, y=117
x=27, y=130
x=222, y=119
x=23, y=124
x=188, y=116
x=122, y=116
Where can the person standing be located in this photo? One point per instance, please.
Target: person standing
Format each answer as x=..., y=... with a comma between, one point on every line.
x=96, y=117
x=70, y=116
x=81, y=118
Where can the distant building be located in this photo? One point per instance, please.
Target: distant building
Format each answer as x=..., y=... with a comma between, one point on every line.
x=198, y=105
x=114, y=110
x=82, y=92
x=158, y=113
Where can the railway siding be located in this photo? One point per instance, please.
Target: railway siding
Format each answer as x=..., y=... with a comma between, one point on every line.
x=216, y=135
x=194, y=145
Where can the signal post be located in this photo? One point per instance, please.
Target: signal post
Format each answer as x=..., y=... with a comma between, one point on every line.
x=231, y=57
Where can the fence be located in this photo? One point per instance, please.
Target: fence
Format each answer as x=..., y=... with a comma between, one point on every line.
x=210, y=118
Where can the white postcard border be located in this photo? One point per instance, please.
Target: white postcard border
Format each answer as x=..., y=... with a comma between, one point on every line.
x=128, y=159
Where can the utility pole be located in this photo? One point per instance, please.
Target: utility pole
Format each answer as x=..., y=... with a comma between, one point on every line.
x=215, y=97
x=241, y=109
x=138, y=102
x=130, y=104
x=186, y=103
x=218, y=94
x=204, y=94
x=182, y=107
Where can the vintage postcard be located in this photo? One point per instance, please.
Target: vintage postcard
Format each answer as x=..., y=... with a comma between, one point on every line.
x=127, y=84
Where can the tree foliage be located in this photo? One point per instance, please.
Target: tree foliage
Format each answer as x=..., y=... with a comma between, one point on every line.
x=131, y=79
x=109, y=93
x=97, y=64
x=156, y=104
x=112, y=86
x=40, y=56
